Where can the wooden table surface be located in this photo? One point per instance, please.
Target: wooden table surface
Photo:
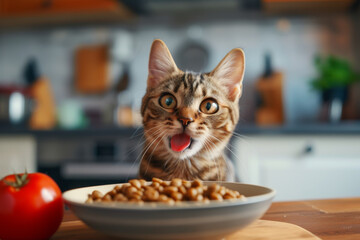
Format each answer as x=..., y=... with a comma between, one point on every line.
x=328, y=219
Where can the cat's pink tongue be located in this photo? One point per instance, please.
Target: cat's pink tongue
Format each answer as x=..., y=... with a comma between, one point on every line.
x=179, y=142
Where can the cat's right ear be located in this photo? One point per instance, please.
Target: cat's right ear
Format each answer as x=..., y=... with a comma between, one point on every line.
x=161, y=63
x=230, y=73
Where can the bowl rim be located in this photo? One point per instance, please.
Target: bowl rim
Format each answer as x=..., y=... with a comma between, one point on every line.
x=149, y=206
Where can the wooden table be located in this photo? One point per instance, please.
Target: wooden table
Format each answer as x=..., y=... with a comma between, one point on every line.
x=328, y=219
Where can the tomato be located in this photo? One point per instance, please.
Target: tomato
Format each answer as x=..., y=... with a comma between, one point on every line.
x=31, y=207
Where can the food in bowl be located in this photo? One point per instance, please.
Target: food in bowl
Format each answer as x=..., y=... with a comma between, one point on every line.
x=183, y=220
x=168, y=192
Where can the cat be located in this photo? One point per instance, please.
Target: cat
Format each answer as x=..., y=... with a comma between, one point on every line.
x=189, y=117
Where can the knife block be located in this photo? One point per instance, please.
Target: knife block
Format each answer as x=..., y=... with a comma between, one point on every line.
x=270, y=112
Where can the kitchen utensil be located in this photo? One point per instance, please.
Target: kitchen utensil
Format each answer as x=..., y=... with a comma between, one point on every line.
x=31, y=71
x=71, y=115
x=122, y=53
x=16, y=105
x=190, y=220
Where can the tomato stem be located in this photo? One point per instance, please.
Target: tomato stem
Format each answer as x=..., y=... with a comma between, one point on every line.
x=20, y=181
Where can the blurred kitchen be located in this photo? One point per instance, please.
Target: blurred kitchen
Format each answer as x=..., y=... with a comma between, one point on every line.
x=73, y=72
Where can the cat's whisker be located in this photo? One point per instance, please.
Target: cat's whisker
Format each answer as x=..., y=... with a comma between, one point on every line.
x=211, y=150
x=133, y=148
x=235, y=134
x=139, y=145
x=149, y=146
x=188, y=162
x=238, y=136
x=143, y=132
x=137, y=129
x=153, y=130
x=146, y=148
x=137, y=158
x=207, y=149
x=241, y=137
x=151, y=154
x=228, y=149
x=159, y=139
x=153, y=133
x=215, y=162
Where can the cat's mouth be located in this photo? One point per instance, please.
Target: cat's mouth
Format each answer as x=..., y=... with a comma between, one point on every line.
x=180, y=142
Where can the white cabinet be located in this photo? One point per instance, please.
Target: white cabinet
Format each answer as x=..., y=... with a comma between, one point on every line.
x=301, y=166
x=17, y=154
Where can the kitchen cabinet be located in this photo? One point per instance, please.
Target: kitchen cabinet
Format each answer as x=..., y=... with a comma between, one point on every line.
x=36, y=13
x=301, y=166
x=17, y=154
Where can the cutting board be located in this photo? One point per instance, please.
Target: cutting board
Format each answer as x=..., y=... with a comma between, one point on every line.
x=271, y=111
x=260, y=229
x=91, y=69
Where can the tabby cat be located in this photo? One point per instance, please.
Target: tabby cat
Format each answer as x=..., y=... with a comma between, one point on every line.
x=189, y=117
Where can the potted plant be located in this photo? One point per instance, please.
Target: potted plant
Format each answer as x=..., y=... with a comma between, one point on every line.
x=333, y=79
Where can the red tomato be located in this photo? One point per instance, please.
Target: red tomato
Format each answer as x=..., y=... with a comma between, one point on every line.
x=30, y=209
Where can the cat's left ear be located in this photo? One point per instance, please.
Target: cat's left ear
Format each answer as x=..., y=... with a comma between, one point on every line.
x=230, y=73
x=161, y=63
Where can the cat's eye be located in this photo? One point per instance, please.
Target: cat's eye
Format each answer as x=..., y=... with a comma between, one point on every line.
x=209, y=106
x=167, y=101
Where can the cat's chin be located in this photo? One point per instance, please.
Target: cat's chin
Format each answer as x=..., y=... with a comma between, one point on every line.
x=191, y=150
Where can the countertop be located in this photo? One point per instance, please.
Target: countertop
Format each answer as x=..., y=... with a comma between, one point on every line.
x=350, y=128
x=327, y=219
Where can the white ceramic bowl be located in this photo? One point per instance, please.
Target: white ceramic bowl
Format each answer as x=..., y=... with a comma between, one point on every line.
x=190, y=220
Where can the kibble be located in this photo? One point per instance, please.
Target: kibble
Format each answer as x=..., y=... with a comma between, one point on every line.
x=182, y=190
x=135, y=183
x=216, y=196
x=139, y=191
x=176, y=182
x=120, y=197
x=107, y=198
x=96, y=195
x=192, y=193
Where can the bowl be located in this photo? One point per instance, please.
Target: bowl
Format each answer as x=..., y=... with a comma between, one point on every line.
x=186, y=220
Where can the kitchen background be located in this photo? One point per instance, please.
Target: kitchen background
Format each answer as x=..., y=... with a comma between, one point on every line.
x=72, y=75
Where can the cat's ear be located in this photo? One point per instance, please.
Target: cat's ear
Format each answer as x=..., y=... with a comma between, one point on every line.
x=230, y=73
x=161, y=63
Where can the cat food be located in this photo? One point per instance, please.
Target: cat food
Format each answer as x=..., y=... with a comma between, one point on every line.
x=139, y=191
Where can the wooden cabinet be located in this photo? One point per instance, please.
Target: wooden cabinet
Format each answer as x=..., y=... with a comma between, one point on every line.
x=36, y=13
x=301, y=166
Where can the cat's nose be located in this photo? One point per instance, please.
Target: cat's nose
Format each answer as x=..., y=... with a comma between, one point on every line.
x=185, y=121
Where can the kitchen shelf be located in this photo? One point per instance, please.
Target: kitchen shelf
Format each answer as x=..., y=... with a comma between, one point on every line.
x=344, y=128
x=350, y=128
x=63, y=133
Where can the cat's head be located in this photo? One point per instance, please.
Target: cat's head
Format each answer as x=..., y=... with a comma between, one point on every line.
x=186, y=113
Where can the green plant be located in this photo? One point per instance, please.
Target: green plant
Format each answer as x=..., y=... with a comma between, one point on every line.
x=333, y=72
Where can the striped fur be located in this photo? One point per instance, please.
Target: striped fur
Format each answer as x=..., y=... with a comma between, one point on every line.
x=210, y=133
